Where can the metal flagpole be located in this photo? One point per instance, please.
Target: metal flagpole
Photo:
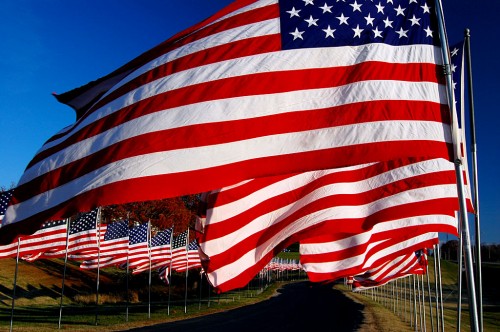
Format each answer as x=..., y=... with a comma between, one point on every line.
x=440, y=286
x=169, y=274
x=128, y=297
x=460, y=181
x=187, y=268
x=475, y=180
x=149, y=257
x=201, y=283
x=15, y=285
x=415, y=311
x=420, y=312
x=436, y=287
x=430, y=297
x=98, y=219
x=459, y=281
x=424, y=324
x=64, y=272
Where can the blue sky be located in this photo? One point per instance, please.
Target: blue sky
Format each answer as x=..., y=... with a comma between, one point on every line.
x=57, y=45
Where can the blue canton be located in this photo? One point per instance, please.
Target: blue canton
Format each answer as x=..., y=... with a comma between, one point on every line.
x=116, y=230
x=139, y=234
x=85, y=222
x=327, y=23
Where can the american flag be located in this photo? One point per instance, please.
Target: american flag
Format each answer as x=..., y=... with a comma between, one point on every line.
x=50, y=239
x=249, y=223
x=4, y=202
x=244, y=94
x=82, y=238
x=179, y=251
x=328, y=258
x=193, y=258
x=402, y=266
x=113, y=247
x=160, y=251
x=139, y=246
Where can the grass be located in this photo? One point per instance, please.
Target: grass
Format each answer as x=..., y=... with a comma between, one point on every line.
x=39, y=288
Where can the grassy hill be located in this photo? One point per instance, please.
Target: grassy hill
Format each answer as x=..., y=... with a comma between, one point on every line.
x=39, y=288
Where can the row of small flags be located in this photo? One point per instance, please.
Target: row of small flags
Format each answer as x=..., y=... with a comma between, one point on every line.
x=97, y=245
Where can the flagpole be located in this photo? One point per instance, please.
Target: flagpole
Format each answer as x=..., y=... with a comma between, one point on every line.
x=15, y=285
x=98, y=220
x=149, y=256
x=170, y=272
x=459, y=280
x=475, y=180
x=440, y=286
x=64, y=271
x=127, y=271
x=187, y=267
x=430, y=297
x=459, y=175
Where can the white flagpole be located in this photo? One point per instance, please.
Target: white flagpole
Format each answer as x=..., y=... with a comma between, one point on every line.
x=15, y=285
x=149, y=257
x=430, y=297
x=469, y=268
x=187, y=267
x=440, y=286
x=475, y=181
x=459, y=281
x=98, y=221
x=64, y=271
x=436, y=286
x=169, y=274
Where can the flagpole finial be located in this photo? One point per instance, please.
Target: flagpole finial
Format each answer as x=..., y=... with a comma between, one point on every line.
x=467, y=32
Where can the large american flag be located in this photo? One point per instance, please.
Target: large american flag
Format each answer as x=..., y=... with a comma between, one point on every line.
x=249, y=223
x=260, y=88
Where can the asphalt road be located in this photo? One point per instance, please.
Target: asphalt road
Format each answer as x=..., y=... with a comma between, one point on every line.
x=300, y=307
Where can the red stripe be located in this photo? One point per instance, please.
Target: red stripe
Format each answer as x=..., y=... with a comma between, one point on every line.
x=178, y=184
x=219, y=133
x=249, y=85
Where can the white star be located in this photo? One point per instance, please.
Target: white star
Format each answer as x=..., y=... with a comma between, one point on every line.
x=369, y=20
x=390, y=1
x=355, y=6
x=414, y=21
x=453, y=68
x=380, y=8
x=400, y=11
x=293, y=12
x=377, y=33
x=388, y=23
x=402, y=33
x=329, y=32
x=454, y=52
x=454, y=85
x=357, y=31
x=413, y=1
x=308, y=2
x=343, y=19
x=311, y=21
x=428, y=32
x=297, y=34
x=326, y=8
x=426, y=8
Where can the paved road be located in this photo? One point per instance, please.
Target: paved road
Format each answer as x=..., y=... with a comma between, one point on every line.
x=300, y=307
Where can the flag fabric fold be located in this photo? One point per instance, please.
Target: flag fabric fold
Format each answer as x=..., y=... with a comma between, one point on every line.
x=246, y=94
x=249, y=223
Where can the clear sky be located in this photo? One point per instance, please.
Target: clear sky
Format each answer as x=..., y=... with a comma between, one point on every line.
x=56, y=45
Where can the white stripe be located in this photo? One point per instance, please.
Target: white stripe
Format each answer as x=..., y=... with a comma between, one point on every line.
x=265, y=63
x=231, y=209
x=223, y=243
x=170, y=162
x=338, y=266
x=333, y=246
x=254, y=107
